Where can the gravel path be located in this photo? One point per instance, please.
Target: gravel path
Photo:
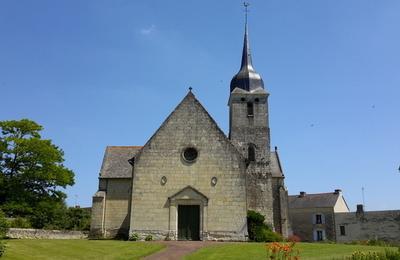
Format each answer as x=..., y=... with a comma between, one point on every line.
x=178, y=249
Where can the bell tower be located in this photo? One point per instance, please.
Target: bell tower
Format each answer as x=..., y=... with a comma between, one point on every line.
x=248, y=109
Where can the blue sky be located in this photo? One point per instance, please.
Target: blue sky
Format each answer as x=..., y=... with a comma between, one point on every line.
x=97, y=73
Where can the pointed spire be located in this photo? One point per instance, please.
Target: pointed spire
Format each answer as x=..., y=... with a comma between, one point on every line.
x=247, y=78
x=246, y=55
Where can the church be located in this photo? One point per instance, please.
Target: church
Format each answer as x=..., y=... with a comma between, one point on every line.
x=191, y=181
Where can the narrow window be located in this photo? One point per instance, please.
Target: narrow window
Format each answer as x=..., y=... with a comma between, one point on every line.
x=318, y=219
x=251, y=153
x=250, y=109
x=342, y=231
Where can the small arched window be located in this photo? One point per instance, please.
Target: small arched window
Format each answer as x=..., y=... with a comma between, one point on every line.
x=251, y=153
x=250, y=109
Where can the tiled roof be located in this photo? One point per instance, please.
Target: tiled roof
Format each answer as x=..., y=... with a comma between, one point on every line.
x=319, y=200
x=115, y=162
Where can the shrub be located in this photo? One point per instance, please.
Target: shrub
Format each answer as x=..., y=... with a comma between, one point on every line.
x=49, y=214
x=2, y=248
x=376, y=242
x=134, y=237
x=77, y=219
x=282, y=251
x=373, y=242
x=271, y=236
x=392, y=255
x=258, y=230
x=294, y=238
x=3, y=231
x=3, y=225
x=148, y=238
x=387, y=255
x=20, y=222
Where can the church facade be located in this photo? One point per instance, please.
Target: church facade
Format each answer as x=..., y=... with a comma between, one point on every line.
x=190, y=181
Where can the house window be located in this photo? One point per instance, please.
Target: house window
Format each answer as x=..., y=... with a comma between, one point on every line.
x=342, y=230
x=320, y=235
x=318, y=219
x=251, y=153
x=250, y=109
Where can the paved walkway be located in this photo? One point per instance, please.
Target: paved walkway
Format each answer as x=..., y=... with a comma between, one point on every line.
x=178, y=249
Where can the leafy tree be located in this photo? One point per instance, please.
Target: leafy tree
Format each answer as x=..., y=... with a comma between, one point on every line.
x=31, y=173
x=78, y=219
x=49, y=214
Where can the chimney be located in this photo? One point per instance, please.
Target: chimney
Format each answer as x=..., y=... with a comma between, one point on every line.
x=338, y=191
x=302, y=194
x=360, y=211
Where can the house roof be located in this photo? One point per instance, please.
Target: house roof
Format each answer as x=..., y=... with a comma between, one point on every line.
x=319, y=200
x=115, y=161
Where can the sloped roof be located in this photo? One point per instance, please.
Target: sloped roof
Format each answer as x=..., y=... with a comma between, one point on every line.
x=188, y=193
x=115, y=161
x=276, y=169
x=190, y=97
x=319, y=200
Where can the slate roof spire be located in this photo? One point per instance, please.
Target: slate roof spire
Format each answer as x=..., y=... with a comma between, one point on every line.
x=247, y=78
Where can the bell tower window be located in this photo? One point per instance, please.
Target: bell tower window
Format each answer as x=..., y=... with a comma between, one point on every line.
x=250, y=109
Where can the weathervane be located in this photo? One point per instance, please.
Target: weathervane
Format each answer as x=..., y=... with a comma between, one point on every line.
x=246, y=10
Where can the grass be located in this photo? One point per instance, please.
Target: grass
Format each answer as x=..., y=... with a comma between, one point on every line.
x=78, y=249
x=308, y=251
x=114, y=249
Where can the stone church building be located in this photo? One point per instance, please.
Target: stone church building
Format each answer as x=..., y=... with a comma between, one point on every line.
x=192, y=182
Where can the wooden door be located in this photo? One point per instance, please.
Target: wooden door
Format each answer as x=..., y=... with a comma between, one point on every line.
x=188, y=222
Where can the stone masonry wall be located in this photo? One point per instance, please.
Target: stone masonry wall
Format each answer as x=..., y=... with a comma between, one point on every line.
x=253, y=129
x=302, y=223
x=259, y=192
x=276, y=205
x=116, y=221
x=224, y=216
x=382, y=225
x=25, y=233
x=284, y=210
x=97, y=217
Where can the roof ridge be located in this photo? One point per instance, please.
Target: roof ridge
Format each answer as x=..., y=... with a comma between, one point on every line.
x=124, y=146
x=322, y=193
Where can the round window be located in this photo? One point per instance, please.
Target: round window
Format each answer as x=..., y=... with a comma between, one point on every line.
x=190, y=154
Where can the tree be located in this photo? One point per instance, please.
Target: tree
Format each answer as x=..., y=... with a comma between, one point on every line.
x=78, y=219
x=31, y=170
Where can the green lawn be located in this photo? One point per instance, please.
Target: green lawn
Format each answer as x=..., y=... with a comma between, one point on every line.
x=258, y=251
x=78, y=249
x=113, y=249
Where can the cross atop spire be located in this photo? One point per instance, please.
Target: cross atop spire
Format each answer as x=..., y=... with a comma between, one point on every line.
x=246, y=10
x=247, y=78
